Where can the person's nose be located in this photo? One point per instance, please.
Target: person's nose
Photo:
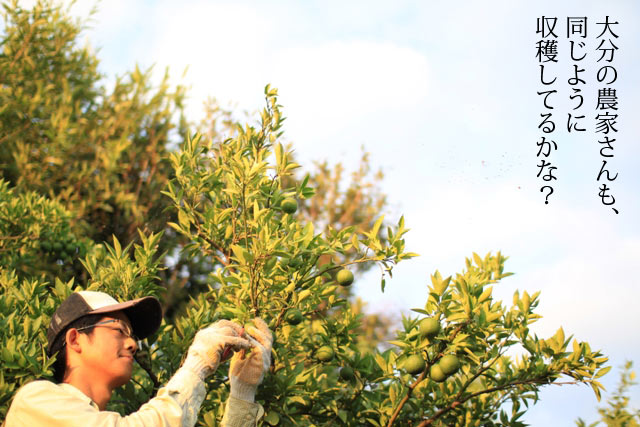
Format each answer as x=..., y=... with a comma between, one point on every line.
x=131, y=345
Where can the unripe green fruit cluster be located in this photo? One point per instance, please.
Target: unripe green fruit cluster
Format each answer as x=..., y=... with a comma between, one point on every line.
x=414, y=364
x=294, y=316
x=325, y=353
x=60, y=247
x=346, y=373
x=446, y=366
x=436, y=373
x=449, y=364
x=344, y=277
x=289, y=205
x=429, y=327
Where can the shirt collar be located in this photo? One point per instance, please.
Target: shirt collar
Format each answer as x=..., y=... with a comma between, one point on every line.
x=76, y=392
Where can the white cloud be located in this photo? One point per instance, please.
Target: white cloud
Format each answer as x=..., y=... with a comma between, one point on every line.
x=231, y=54
x=337, y=83
x=590, y=289
x=223, y=46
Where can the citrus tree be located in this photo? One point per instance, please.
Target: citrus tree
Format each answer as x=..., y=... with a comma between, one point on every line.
x=458, y=362
x=102, y=152
x=455, y=364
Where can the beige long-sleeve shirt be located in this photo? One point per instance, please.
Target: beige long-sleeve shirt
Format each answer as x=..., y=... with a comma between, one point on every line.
x=43, y=403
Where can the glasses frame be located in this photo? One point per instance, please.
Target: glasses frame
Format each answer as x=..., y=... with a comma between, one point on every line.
x=125, y=329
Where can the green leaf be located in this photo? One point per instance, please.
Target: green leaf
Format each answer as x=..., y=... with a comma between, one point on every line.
x=477, y=260
x=376, y=227
x=239, y=253
x=183, y=219
x=602, y=372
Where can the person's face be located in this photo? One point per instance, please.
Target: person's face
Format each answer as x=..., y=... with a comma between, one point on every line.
x=108, y=352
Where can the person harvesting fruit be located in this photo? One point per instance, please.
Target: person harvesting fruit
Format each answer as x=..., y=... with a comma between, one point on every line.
x=94, y=339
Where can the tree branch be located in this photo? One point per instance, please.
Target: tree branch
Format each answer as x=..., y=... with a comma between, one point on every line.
x=459, y=402
x=420, y=378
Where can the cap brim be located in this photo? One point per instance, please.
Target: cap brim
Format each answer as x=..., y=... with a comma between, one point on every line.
x=145, y=314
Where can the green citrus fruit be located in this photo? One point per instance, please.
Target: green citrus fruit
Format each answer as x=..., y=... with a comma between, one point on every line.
x=325, y=353
x=414, y=364
x=346, y=373
x=344, y=277
x=293, y=316
x=429, y=327
x=57, y=246
x=449, y=364
x=272, y=418
x=436, y=373
x=289, y=205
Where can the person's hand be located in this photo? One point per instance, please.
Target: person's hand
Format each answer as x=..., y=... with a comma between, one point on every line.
x=247, y=370
x=209, y=344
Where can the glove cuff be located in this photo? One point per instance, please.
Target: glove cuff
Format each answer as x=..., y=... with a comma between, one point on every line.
x=198, y=366
x=241, y=390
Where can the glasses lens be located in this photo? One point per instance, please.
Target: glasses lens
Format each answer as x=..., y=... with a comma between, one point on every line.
x=129, y=333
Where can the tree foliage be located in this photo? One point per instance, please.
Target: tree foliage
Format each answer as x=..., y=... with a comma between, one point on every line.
x=94, y=196
x=103, y=152
x=618, y=413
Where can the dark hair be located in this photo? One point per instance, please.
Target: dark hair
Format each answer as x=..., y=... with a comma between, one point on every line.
x=60, y=364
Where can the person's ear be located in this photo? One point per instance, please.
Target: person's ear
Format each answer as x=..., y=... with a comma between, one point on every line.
x=72, y=338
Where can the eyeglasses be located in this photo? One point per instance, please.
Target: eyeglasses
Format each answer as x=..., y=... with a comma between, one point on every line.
x=124, y=329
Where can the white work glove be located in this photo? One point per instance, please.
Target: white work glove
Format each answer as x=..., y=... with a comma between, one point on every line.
x=209, y=344
x=247, y=370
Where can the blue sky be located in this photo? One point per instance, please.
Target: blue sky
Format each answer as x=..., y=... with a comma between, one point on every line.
x=445, y=100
